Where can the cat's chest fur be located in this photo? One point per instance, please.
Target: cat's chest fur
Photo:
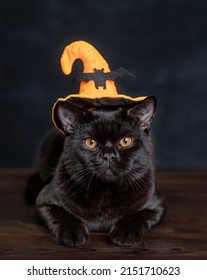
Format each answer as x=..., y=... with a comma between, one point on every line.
x=102, y=206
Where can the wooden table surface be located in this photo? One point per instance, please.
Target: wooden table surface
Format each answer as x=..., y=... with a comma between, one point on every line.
x=182, y=234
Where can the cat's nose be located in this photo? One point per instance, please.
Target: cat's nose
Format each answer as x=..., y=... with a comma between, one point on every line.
x=108, y=157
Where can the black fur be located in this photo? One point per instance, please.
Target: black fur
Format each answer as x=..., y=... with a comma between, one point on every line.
x=107, y=188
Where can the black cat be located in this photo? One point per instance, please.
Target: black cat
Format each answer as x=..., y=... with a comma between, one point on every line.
x=98, y=175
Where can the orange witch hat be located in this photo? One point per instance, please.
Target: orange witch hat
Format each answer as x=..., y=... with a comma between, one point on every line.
x=97, y=86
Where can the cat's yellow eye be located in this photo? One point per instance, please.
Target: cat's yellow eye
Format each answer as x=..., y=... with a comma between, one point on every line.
x=91, y=143
x=125, y=141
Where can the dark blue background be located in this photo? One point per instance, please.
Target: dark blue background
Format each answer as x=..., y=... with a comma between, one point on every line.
x=164, y=43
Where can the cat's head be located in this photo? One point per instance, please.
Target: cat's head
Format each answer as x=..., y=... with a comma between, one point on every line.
x=108, y=144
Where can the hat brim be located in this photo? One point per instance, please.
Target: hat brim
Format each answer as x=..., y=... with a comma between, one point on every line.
x=89, y=104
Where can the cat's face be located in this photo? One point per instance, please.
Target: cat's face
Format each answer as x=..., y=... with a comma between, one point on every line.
x=108, y=144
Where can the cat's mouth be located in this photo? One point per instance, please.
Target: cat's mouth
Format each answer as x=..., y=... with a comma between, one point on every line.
x=109, y=171
x=107, y=174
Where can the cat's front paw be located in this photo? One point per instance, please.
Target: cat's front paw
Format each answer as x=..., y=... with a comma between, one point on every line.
x=125, y=235
x=73, y=237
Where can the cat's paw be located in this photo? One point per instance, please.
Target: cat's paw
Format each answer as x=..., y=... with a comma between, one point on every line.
x=125, y=235
x=73, y=237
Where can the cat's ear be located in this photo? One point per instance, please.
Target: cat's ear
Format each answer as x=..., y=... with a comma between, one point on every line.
x=144, y=112
x=67, y=116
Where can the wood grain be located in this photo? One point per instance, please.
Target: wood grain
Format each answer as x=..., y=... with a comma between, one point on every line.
x=182, y=234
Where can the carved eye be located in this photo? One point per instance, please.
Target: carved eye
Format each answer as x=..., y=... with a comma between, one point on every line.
x=91, y=143
x=125, y=141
